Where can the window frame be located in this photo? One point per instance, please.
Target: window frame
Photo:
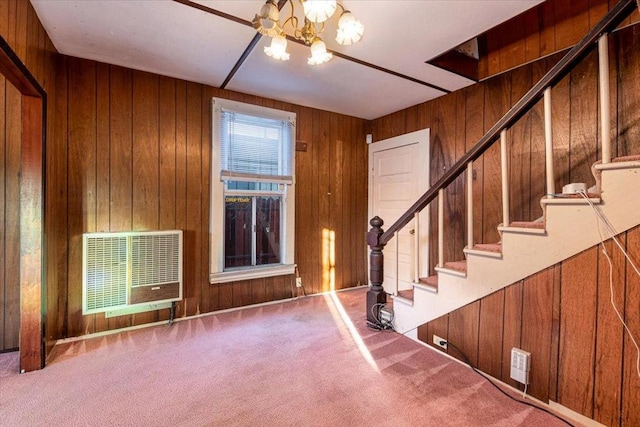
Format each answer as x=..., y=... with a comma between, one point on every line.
x=217, y=272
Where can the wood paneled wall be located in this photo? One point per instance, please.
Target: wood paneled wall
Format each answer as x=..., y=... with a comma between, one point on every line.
x=580, y=355
x=132, y=152
x=23, y=32
x=550, y=27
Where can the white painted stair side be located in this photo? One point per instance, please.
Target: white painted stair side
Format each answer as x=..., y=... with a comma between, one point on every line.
x=570, y=229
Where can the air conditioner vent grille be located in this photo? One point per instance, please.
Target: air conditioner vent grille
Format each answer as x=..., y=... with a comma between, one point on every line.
x=130, y=271
x=155, y=259
x=106, y=272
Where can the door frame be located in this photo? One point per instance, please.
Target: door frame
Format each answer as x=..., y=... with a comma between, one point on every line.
x=32, y=167
x=422, y=138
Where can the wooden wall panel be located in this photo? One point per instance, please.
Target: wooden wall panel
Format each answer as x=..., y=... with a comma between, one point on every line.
x=560, y=114
x=474, y=129
x=147, y=147
x=497, y=102
x=463, y=332
x=630, y=375
x=537, y=187
x=168, y=147
x=609, y=334
x=537, y=324
x=512, y=328
x=81, y=202
x=628, y=79
x=194, y=187
x=336, y=238
x=577, y=332
x=490, y=334
x=304, y=200
x=550, y=27
x=443, y=156
x=584, y=121
x=3, y=145
x=181, y=165
x=458, y=218
x=359, y=192
x=56, y=222
x=519, y=137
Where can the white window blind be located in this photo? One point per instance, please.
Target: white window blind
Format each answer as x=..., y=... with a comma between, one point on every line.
x=255, y=148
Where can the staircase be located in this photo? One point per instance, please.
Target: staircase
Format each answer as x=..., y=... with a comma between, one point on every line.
x=568, y=226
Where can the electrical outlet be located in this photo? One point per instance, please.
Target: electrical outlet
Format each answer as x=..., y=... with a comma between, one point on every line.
x=520, y=365
x=298, y=282
x=438, y=341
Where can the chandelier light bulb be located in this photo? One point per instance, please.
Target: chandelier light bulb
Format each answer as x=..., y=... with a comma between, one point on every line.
x=319, y=54
x=350, y=30
x=266, y=22
x=278, y=48
x=319, y=10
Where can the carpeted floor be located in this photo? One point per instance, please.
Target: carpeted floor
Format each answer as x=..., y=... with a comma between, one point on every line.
x=298, y=363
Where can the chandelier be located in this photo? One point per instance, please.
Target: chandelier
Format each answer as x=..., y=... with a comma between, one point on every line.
x=316, y=13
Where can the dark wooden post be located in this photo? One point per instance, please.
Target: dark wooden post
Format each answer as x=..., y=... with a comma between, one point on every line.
x=375, y=294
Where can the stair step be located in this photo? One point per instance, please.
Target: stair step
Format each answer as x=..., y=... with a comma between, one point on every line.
x=492, y=250
x=428, y=283
x=455, y=268
x=571, y=199
x=406, y=294
x=405, y=297
x=525, y=227
x=488, y=247
x=617, y=163
x=527, y=224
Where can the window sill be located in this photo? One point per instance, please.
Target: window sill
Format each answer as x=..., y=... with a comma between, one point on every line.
x=251, y=273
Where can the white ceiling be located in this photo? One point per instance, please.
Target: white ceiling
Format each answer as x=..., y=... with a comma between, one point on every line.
x=174, y=39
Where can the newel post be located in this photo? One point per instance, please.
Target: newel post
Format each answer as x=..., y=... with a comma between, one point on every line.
x=375, y=294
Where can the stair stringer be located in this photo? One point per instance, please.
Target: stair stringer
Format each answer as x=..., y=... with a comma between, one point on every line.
x=570, y=228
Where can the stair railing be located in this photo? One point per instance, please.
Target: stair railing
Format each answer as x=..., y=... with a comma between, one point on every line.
x=377, y=238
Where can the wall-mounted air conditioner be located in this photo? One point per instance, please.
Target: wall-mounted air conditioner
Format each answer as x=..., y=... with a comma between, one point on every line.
x=131, y=272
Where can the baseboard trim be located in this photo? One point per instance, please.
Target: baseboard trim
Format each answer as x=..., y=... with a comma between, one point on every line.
x=195, y=316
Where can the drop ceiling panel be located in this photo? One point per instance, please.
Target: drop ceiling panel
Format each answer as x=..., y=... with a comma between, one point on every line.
x=338, y=85
x=159, y=36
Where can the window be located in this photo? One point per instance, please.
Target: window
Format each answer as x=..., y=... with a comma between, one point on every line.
x=252, y=191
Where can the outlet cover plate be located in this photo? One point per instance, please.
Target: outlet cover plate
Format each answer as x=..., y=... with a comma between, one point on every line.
x=520, y=365
x=437, y=340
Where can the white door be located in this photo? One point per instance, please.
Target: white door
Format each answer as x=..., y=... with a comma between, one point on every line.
x=398, y=176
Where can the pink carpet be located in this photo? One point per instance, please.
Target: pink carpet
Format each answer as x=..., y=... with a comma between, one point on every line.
x=292, y=363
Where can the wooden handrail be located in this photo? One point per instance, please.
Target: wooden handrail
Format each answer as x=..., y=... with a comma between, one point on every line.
x=615, y=16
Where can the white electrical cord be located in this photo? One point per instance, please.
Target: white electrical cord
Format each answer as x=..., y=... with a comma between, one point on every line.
x=601, y=219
